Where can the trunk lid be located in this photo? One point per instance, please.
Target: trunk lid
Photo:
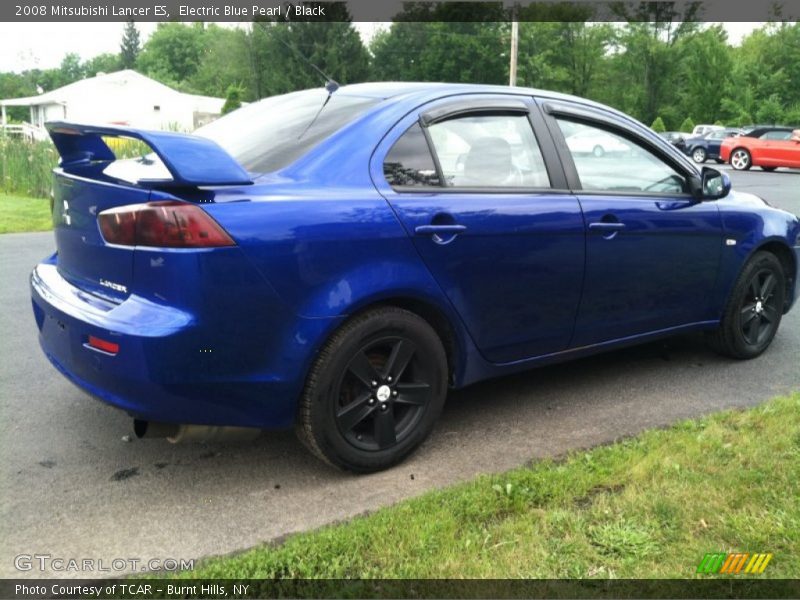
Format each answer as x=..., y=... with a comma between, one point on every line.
x=84, y=258
x=90, y=180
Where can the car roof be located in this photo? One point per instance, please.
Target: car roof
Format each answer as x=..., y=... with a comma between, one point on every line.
x=422, y=90
x=759, y=131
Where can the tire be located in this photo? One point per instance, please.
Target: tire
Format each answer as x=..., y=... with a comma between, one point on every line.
x=741, y=159
x=699, y=155
x=768, y=169
x=754, y=310
x=359, y=413
x=598, y=151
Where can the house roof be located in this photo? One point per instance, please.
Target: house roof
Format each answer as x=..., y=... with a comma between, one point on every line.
x=90, y=85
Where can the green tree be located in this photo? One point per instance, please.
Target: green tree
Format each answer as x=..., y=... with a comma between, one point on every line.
x=224, y=62
x=763, y=69
x=704, y=69
x=687, y=126
x=233, y=99
x=458, y=42
x=645, y=58
x=102, y=63
x=658, y=125
x=771, y=111
x=71, y=70
x=279, y=52
x=130, y=46
x=17, y=85
x=565, y=55
x=173, y=53
x=792, y=115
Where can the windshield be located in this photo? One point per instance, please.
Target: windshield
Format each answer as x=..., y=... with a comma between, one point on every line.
x=270, y=134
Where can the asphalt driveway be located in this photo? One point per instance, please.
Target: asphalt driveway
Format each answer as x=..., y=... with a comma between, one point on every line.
x=73, y=488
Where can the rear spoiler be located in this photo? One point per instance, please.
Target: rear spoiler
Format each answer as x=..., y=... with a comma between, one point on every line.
x=191, y=160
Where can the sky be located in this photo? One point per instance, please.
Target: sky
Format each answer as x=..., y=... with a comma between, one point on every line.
x=43, y=45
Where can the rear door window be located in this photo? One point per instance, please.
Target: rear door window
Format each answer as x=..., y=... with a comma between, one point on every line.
x=489, y=151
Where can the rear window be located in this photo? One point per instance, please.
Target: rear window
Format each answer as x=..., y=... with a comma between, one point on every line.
x=270, y=134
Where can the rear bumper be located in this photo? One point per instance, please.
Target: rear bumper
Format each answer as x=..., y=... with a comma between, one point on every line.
x=161, y=372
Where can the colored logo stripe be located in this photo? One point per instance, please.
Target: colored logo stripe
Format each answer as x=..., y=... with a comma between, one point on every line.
x=711, y=563
x=734, y=563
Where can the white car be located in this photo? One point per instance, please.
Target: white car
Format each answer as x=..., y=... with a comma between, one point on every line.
x=704, y=129
x=597, y=143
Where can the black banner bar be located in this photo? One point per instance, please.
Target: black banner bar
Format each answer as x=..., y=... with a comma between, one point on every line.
x=144, y=589
x=386, y=10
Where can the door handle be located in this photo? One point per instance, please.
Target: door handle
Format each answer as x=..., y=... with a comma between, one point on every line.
x=439, y=229
x=604, y=226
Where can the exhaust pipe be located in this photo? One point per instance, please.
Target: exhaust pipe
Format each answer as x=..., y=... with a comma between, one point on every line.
x=177, y=434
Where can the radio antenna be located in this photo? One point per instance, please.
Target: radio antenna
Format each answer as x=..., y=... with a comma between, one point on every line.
x=330, y=84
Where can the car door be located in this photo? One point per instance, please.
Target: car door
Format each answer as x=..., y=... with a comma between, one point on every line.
x=713, y=143
x=486, y=205
x=778, y=149
x=652, y=250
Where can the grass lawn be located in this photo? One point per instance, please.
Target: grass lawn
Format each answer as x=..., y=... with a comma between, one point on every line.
x=646, y=507
x=18, y=214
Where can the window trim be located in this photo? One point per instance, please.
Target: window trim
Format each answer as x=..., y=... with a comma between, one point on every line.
x=495, y=191
x=462, y=107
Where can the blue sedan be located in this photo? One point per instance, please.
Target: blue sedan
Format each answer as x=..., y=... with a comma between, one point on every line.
x=336, y=261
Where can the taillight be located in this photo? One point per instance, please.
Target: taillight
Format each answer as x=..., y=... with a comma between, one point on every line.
x=166, y=224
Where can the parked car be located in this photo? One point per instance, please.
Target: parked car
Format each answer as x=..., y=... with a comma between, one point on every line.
x=765, y=147
x=676, y=138
x=597, y=143
x=703, y=129
x=335, y=262
x=706, y=146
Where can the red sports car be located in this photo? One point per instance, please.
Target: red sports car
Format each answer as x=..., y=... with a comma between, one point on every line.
x=765, y=147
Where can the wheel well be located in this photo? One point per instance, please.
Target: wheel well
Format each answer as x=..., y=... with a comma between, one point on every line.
x=435, y=318
x=787, y=260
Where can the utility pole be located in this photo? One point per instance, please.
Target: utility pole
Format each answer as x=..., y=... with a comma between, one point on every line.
x=512, y=69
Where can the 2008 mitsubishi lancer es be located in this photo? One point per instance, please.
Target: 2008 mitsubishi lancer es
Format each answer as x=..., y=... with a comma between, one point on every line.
x=335, y=260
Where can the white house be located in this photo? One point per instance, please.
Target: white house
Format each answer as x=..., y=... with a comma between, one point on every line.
x=121, y=98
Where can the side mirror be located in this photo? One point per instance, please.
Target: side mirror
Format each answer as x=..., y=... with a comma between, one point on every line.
x=714, y=185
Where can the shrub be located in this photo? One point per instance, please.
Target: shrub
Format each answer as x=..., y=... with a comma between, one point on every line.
x=658, y=125
x=792, y=115
x=743, y=118
x=233, y=99
x=770, y=111
x=687, y=125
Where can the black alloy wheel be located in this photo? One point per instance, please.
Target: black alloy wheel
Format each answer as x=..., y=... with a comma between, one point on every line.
x=759, y=312
x=754, y=309
x=382, y=394
x=375, y=391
